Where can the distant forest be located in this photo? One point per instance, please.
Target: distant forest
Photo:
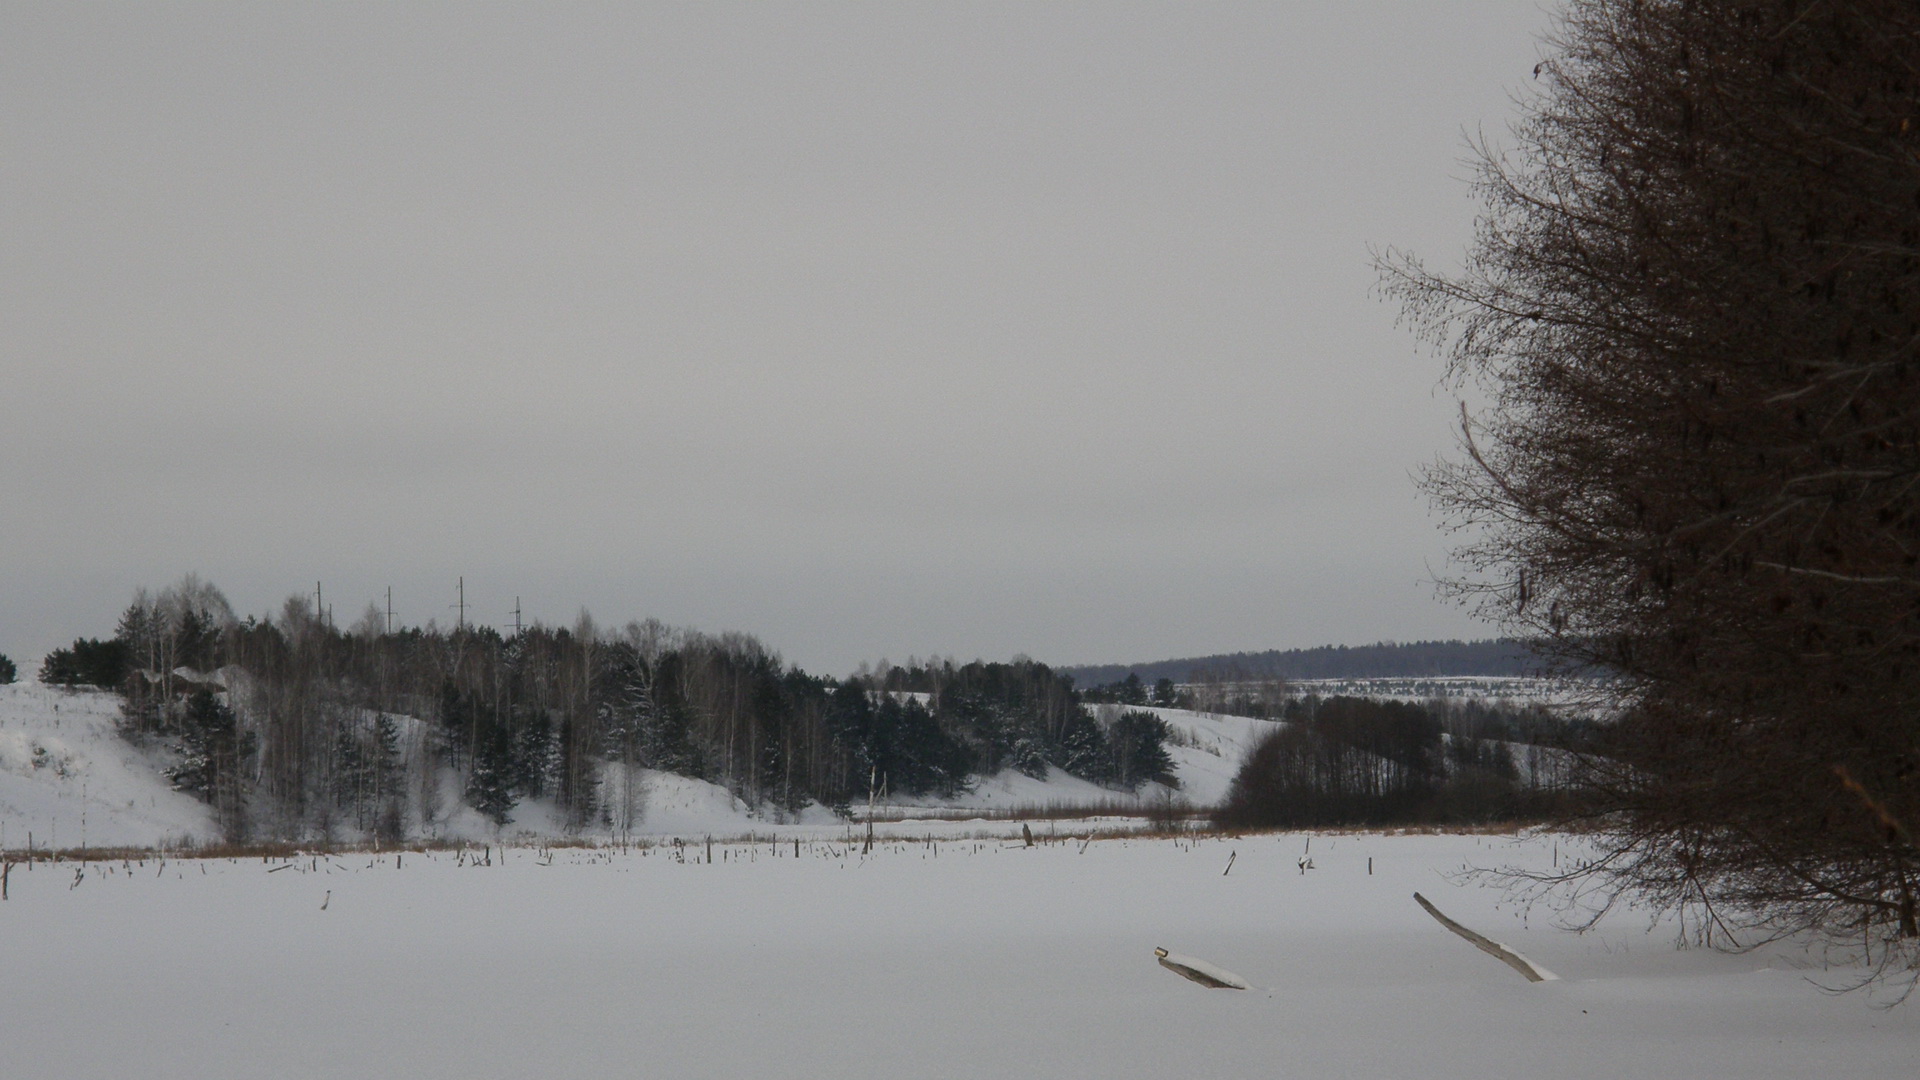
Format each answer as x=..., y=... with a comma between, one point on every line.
x=1385, y=660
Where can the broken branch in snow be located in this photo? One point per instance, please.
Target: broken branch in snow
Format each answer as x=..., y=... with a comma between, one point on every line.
x=1533, y=972
x=1200, y=971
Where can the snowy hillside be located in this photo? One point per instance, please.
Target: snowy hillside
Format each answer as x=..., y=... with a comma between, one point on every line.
x=69, y=779
x=1206, y=750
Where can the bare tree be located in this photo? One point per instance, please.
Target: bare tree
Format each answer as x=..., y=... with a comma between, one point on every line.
x=1694, y=305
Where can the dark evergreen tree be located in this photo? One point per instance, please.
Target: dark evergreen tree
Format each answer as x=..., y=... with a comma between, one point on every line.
x=535, y=754
x=87, y=662
x=352, y=775
x=458, y=719
x=1138, y=741
x=1083, y=750
x=1165, y=694
x=491, y=784
x=925, y=758
x=1029, y=753
x=389, y=770
x=8, y=672
x=212, y=750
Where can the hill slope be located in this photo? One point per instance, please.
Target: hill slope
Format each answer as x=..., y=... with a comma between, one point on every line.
x=69, y=779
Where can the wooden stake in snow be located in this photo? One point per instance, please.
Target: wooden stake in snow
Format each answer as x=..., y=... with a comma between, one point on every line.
x=1532, y=971
x=1200, y=971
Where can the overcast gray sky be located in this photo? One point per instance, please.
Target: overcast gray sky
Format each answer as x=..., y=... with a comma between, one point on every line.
x=870, y=329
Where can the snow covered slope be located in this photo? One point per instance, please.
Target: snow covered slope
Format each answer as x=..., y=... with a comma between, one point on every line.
x=69, y=779
x=1207, y=750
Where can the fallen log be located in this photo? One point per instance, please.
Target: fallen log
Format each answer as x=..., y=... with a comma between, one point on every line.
x=1510, y=957
x=1200, y=971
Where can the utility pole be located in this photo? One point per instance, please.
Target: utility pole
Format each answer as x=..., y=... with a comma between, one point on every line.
x=389, y=611
x=462, y=605
x=516, y=617
x=319, y=609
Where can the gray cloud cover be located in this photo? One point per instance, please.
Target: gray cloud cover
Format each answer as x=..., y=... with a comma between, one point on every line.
x=871, y=329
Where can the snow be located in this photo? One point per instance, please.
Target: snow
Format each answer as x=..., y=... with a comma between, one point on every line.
x=1514, y=689
x=980, y=958
x=1200, y=971
x=1206, y=749
x=952, y=949
x=68, y=778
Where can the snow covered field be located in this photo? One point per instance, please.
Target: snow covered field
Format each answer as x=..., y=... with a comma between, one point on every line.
x=960, y=959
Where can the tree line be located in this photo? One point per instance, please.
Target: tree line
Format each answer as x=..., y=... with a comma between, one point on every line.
x=1362, y=761
x=1382, y=660
x=291, y=727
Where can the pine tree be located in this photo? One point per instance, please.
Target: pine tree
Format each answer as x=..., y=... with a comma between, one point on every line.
x=1083, y=750
x=212, y=748
x=490, y=787
x=1138, y=741
x=352, y=774
x=1165, y=694
x=389, y=772
x=457, y=718
x=534, y=755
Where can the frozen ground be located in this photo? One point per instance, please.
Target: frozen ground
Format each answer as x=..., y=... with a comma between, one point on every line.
x=961, y=959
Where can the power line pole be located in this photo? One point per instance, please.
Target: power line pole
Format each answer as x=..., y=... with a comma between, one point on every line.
x=462, y=605
x=516, y=617
x=389, y=611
